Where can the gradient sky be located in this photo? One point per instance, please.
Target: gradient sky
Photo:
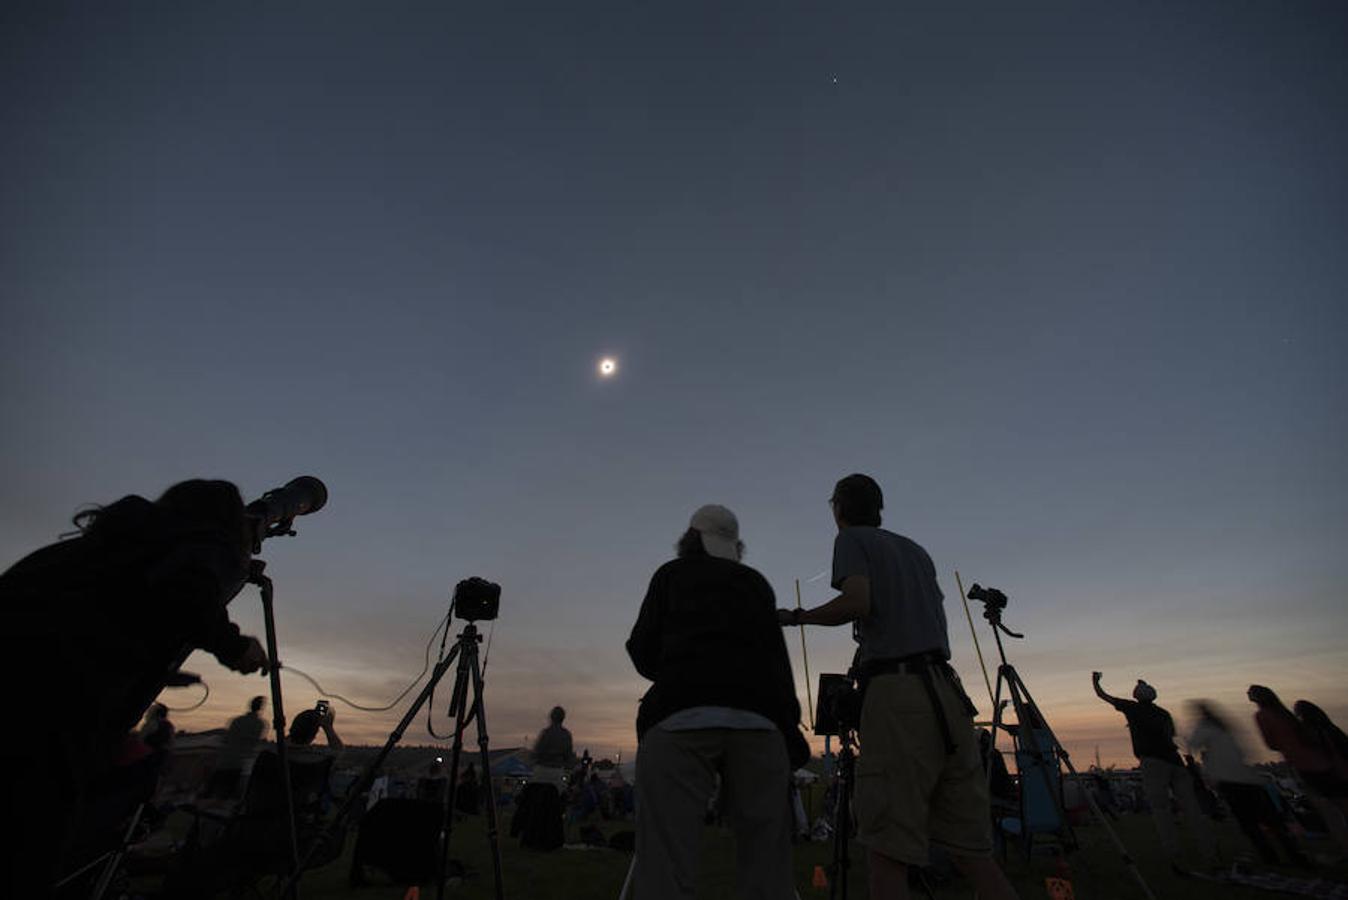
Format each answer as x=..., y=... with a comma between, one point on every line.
x=1068, y=279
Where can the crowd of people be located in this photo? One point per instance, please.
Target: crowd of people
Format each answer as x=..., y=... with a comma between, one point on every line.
x=1312, y=745
x=114, y=611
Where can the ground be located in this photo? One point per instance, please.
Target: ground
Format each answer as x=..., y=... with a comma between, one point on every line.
x=1097, y=870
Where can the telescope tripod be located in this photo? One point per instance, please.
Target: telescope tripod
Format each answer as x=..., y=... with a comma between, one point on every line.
x=1030, y=724
x=468, y=675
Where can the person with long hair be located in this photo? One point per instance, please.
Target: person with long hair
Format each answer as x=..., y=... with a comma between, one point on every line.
x=1313, y=761
x=103, y=618
x=722, y=703
x=1240, y=786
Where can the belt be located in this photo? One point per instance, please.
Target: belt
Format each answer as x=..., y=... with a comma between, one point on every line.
x=920, y=665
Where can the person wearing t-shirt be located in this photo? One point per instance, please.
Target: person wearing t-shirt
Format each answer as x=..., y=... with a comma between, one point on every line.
x=920, y=778
x=1153, y=733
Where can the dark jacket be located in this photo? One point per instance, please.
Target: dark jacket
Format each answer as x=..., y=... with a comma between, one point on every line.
x=707, y=635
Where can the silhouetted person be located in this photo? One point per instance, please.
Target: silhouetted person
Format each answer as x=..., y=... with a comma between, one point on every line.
x=1153, y=733
x=1326, y=733
x=106, y=616
x=1313, y=761
x=920, y=760
x=553, y=749
x=307, y=726
x=1241, y=786
x=239, y=746
x=723, y=702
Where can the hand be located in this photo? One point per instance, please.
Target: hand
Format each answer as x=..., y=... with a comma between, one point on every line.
x=1095, y=677
x=786, y=617
x=251, y=659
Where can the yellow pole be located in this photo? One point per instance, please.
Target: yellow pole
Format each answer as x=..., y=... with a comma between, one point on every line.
x=983, y=665
x=809, y=698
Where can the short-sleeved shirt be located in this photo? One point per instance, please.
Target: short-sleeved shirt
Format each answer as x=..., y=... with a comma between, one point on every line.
x=1152, y=730
x=907, y=614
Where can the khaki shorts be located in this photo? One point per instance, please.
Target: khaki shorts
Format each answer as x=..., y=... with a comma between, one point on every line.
x=910, y=793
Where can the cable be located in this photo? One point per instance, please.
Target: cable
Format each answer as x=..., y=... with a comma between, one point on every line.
x=396, y=700
x=200, y=703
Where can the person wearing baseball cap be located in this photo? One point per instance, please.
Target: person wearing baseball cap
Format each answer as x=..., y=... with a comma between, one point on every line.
x=1153, y=733
x=922, y=770
x=722, y=702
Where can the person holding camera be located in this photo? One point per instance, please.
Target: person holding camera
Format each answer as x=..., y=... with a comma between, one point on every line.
x=723, y=702
x=1153, y=734
x=920, y=780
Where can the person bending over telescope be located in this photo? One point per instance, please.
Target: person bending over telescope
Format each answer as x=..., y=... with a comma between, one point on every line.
x=99, y=620
x=1153, y=734
x=723, y=702
x=920, y=775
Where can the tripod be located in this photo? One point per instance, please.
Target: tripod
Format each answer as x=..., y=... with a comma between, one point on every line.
x=1029, y=721
x=469, y=673
x=844, y=775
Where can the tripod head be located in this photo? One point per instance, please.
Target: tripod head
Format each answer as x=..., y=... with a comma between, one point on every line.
x=994, y=602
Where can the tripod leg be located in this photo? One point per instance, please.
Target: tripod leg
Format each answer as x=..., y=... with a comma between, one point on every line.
x=459, y=708
x=1030, y=720
x=279, y=724
x=493, y=834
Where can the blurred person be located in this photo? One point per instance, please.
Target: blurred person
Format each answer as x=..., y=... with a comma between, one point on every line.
x=1240, y=786
x=1305, y=752
x=107, y=615
x=920, y=781
x=553, y=752
x=1326, y=733
x=1153, y=734
x=722, y=704
x=466, y=796
x=237, y=749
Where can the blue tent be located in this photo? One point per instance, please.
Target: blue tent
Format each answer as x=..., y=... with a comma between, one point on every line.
x=511, y=767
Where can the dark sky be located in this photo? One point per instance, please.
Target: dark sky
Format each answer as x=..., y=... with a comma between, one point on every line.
x=1068, y=279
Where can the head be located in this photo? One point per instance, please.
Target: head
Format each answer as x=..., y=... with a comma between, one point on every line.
x=713, y=531
x=1206, y=711
x=255, y=705
x=1309, y=713
x=857, y=500
x=557, y=716
x=157, y=711
x=1264, y=698
x=1143, y=692
x=305, y=728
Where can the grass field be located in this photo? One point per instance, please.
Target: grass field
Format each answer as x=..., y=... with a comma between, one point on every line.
x=1097, y=871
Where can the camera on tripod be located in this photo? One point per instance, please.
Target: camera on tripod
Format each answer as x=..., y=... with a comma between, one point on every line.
x=838, y=706
x=477, y=600
x=991, y=598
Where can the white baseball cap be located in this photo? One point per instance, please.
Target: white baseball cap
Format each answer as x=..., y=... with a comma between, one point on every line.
x=720, y=531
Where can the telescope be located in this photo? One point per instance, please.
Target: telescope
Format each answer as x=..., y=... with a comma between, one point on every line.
x=274, y=512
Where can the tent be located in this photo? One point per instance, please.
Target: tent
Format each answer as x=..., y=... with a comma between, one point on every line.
x=511, y=767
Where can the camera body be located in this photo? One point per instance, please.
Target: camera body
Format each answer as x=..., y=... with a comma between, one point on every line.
x=992, y=598
x=477, y=599
x=838, y=705
x=322, y=708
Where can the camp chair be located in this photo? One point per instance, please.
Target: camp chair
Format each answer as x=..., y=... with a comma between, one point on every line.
x=1041, y=791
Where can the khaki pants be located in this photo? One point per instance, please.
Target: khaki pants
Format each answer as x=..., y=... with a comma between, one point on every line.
x=676, y=775
x=1159, y=778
